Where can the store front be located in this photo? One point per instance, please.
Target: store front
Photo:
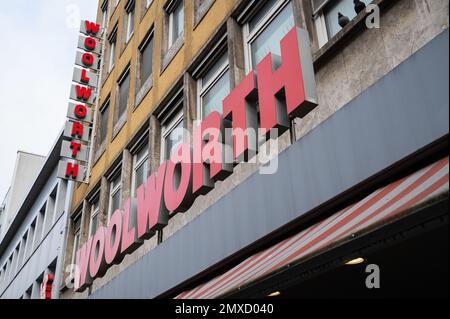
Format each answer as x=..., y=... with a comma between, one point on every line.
x=375, y=170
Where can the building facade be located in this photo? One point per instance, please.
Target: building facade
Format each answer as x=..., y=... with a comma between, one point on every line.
x=381, y=119
x=31, y=247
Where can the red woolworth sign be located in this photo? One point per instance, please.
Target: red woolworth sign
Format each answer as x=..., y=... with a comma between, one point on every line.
x=47, y=286
x=284, y=87
x=76, y=146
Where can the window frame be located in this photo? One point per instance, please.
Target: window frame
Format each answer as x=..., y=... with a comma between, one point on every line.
x=130, y=11
x=120, y=81
x=76, y=239
x=202, y=89
x=104, y=108
x=150, y=37
x=105, y=10
x=250, y=36
x=168, y=128
x=112, y=40
x=170, y=11
x=95, y=211
x=137, y=164
x=114, y=189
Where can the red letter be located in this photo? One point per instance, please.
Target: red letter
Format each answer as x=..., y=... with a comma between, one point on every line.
x=238, y=108
x=82, y=260
x=84, y=77
x=75, y=148
x=97, y=263
x=210, y=161
x=88, y=59
x=281, y=86
x=80, y=111
x=92, y=28
x=129, y=237
x=179, y=168
x=90, y=43
x=112, y=243
x=77, y=130
x=83, y=93
x=151, y=213
x=72, y=170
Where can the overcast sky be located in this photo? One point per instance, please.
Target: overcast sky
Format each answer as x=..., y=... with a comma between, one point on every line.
x=37, y=53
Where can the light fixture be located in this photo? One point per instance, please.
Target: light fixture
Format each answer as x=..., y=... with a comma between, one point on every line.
x=274, y=294
x=355, y=261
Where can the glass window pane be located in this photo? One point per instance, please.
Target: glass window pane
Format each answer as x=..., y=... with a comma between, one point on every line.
x=115, y=202
x=346, y=7
x=174, y=139
x=269, y=40
x=178, y=21
x=123, y=94
x=146, y=61
x=104, y=123
x=141, y=175
x=262, y=13
x=131, y=23
x=94, y=223
x=212, y=100
x=223, y=60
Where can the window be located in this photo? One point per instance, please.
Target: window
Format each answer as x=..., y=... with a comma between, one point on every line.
x=103, y=123
x=114, y=194
x=326, y=16
x=105, y=14
x=146, y=58
x=112, y=49
x=30, y=242
x=76, y=227
x=214, y=86
x=264, y=31
x=129, y=9
x=95, y=216
x=124, y=86
x=140, y=168
x=176, y=20
x=172, y=136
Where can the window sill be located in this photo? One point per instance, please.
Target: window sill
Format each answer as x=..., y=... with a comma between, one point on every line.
x=356, y=26
x=99, y=153
x=145, y=10
x=201, y=12
x=146, y=87
x=171, y=53
x=119, y=125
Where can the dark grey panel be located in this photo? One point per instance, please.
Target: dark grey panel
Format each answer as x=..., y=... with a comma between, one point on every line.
x=405, y=111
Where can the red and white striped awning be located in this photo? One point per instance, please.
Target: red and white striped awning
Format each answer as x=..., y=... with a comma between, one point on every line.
x=381, y=205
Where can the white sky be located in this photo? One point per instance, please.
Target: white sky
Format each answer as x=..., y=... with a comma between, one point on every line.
x=38, y=40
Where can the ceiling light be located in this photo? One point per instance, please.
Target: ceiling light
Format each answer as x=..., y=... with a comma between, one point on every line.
x=355, y=261
x=274, y=294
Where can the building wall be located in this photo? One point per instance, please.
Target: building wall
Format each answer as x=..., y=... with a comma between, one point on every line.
x=25, y=171
x=47, y=247
x=352, y=61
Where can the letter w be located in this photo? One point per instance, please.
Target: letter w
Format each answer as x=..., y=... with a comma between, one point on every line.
x=82, y=260
x=83, y=93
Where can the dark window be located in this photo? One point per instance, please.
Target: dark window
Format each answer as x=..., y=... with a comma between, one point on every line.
x=124, y=86
x=146, y=58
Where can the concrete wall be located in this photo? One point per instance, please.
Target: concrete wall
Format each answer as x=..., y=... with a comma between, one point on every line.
x=26, y=169
x=344, y=74
x=47, y=248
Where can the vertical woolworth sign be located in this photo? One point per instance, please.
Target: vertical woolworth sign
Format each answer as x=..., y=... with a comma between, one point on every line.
x=80, y=113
